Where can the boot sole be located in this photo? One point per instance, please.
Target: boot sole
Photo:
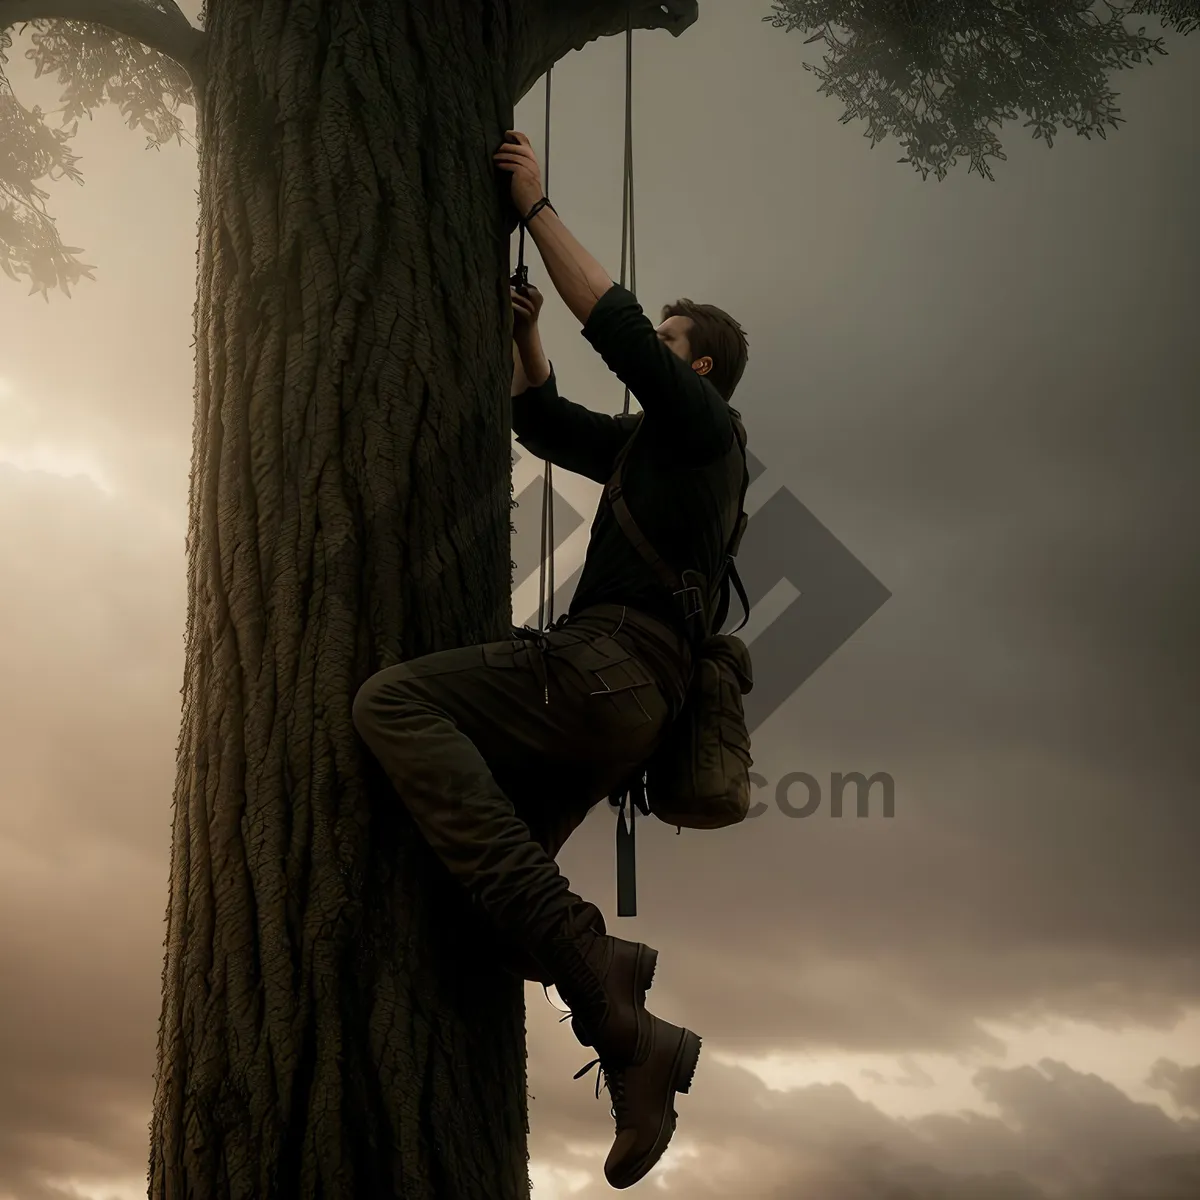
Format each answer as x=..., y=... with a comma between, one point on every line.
x=683, y=1071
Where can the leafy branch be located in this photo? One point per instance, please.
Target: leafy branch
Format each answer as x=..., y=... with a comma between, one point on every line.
x=141, y=57
x=940, y=75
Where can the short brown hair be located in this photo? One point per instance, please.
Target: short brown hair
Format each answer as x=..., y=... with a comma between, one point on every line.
x=715, y=334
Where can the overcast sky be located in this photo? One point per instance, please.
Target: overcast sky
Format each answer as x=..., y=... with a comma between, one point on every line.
x=987, y=392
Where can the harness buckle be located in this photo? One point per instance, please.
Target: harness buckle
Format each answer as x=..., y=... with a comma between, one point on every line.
x=696, y=605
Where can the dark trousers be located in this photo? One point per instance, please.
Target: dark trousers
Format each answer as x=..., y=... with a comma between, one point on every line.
x=498, y=751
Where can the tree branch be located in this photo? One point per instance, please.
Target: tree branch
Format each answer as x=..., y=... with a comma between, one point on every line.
x=164, y=29
x=551, y=29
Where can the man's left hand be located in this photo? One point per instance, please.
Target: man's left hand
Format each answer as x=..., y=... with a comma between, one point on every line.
x=518, y=159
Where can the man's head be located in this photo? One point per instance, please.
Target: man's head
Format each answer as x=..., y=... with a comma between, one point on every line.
x=710, y=339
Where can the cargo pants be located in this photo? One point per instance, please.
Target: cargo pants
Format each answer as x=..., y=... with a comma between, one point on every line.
x=499, y=751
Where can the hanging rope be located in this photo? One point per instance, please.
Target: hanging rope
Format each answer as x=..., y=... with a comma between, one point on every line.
x=628, y=255
x=546, y=563
x=627, y=241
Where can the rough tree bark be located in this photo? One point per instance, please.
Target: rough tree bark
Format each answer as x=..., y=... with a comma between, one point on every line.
x=327, y=1028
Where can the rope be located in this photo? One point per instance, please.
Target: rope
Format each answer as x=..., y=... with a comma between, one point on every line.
x=546, y=596
x=628, y=255
x=627, y=241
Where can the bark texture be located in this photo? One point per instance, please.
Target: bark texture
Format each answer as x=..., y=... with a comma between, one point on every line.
x=333, y=1026
x=326, y=1029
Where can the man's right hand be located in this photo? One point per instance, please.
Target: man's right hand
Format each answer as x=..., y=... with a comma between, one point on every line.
x=526, y=308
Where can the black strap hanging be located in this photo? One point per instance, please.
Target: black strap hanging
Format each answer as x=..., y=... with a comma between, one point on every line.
x=626, y=864
x=632, y=796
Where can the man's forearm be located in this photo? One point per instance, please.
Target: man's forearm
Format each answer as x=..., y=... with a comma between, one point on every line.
x=520, y=382
x=531, y=361
x=577, y=277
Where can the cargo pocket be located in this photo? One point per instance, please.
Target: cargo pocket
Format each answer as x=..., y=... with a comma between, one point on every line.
x=620, y=694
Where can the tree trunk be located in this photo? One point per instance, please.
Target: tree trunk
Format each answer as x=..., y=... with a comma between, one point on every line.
x=332, y=1027
x=326, y=1030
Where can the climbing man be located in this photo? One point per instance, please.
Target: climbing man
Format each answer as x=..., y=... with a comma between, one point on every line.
x=499, y=751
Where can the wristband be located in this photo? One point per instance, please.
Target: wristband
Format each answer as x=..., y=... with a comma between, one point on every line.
x=544, y=202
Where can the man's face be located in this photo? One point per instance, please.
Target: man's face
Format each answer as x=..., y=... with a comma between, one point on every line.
x=674, y=333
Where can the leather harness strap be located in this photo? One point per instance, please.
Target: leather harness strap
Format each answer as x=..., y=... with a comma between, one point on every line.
x=695, y=599
x=692, y=595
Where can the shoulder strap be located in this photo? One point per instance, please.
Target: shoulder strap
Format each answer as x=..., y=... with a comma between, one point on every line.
x=616, y=497
x=670, y=577
x=739, y=431
x=729, y=571
x=635, y=790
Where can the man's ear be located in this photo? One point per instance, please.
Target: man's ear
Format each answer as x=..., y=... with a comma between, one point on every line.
x=702, y=366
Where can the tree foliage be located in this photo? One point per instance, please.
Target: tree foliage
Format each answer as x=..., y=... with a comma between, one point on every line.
x=939, y=76
x=94, y=66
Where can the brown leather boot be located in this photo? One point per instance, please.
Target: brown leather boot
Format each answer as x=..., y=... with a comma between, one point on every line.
x=643, y=1100
x=645, y=1061
x=522, y=962
x=603, y=980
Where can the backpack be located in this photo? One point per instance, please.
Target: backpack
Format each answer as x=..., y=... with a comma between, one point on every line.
x=699, y=775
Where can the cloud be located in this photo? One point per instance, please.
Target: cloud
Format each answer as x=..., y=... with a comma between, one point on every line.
x=1058, y=1126
x=986, y=392
x=1057, y=1133
x=1182, y=1084
x=878, y=1177
x=91, y=667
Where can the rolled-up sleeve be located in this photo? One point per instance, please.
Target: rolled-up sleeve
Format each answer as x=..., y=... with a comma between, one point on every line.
x=677, y=402
x=565, y=433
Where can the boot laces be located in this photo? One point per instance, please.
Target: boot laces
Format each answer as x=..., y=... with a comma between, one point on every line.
x=580, y=1029
x=584, y=986
x=613, y=1079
